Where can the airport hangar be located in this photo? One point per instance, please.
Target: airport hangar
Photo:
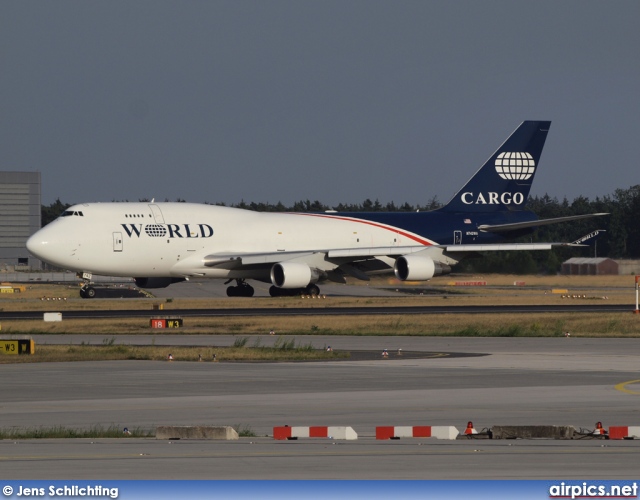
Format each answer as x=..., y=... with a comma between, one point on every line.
x=20, y=217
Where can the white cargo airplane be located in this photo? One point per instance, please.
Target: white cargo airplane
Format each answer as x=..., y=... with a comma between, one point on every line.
x=163, y=243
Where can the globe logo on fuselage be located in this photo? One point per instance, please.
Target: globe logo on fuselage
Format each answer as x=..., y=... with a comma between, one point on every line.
x=515, y=166
x=155, y=230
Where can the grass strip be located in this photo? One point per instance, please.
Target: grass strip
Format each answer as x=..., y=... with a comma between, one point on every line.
x=95, y=432
x=616, y=324
x=285, y=351
x=61, y=432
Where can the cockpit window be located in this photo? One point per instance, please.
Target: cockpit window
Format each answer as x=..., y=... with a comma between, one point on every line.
x=67, y=213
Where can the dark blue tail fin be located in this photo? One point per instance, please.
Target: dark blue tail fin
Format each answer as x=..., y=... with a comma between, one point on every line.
x=504, y=181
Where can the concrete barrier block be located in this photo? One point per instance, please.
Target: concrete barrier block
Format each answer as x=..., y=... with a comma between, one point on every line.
x=343, y=433
x=52, y=316
x=444, y=432
x=195, y=432
x=533, y=431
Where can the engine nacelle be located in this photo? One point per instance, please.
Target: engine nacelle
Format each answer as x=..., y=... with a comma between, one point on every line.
x=293, y=275
x=418, y=268
x=156, y=282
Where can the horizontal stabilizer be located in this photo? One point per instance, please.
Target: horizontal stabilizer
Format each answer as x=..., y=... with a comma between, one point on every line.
x=590, y=236
x=502, y=228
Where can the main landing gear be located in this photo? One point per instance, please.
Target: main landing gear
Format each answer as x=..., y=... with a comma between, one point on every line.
x=311, y=289
x=242, y=289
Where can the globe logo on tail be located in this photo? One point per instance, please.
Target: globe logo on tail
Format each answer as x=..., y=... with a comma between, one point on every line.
x=515, y=166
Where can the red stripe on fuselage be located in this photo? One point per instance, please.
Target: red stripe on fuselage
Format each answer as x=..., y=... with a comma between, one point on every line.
x=375, y=224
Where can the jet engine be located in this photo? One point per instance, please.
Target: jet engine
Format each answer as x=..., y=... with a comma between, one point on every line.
x=293, y=275
x=156, y=282
x=418, y=268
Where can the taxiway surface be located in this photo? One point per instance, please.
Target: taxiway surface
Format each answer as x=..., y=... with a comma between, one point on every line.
x=545, y=381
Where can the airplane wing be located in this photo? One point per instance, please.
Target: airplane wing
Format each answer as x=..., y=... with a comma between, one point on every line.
x=351, y=259
x=334, y=264
x=248, y=259
x=394, y=251
x=350, y=254
x=500, y=228
x=346, y=254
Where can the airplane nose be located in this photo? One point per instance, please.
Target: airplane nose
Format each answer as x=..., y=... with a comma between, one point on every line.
x=36, y=244
x=51, y=247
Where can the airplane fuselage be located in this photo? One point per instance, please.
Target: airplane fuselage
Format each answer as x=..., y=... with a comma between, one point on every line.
x=174, y=239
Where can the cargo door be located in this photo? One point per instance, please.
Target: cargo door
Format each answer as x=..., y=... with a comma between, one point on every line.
x=117, y=242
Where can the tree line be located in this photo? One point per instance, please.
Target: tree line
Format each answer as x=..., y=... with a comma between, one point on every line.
x=620, y=241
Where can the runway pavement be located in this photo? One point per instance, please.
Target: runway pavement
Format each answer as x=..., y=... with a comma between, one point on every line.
x=553, y=381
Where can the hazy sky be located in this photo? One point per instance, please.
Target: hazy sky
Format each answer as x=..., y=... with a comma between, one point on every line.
x=335, y=101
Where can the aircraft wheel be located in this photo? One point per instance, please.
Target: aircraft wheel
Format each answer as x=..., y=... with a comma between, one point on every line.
x=90, y=292
x=274, y=291
x=83, y=294
x=247, y=291
x=231, y=291
x=312, y=290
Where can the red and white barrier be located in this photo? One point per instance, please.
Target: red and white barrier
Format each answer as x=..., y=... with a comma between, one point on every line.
x=419, y=431
x=287, y=432
x=624, y=432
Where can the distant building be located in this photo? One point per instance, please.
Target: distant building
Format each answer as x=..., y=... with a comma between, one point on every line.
x=589, y=266
x=628, y=266
x=20, y=216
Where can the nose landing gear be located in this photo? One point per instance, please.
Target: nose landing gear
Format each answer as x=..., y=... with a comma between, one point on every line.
x=87, y=291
